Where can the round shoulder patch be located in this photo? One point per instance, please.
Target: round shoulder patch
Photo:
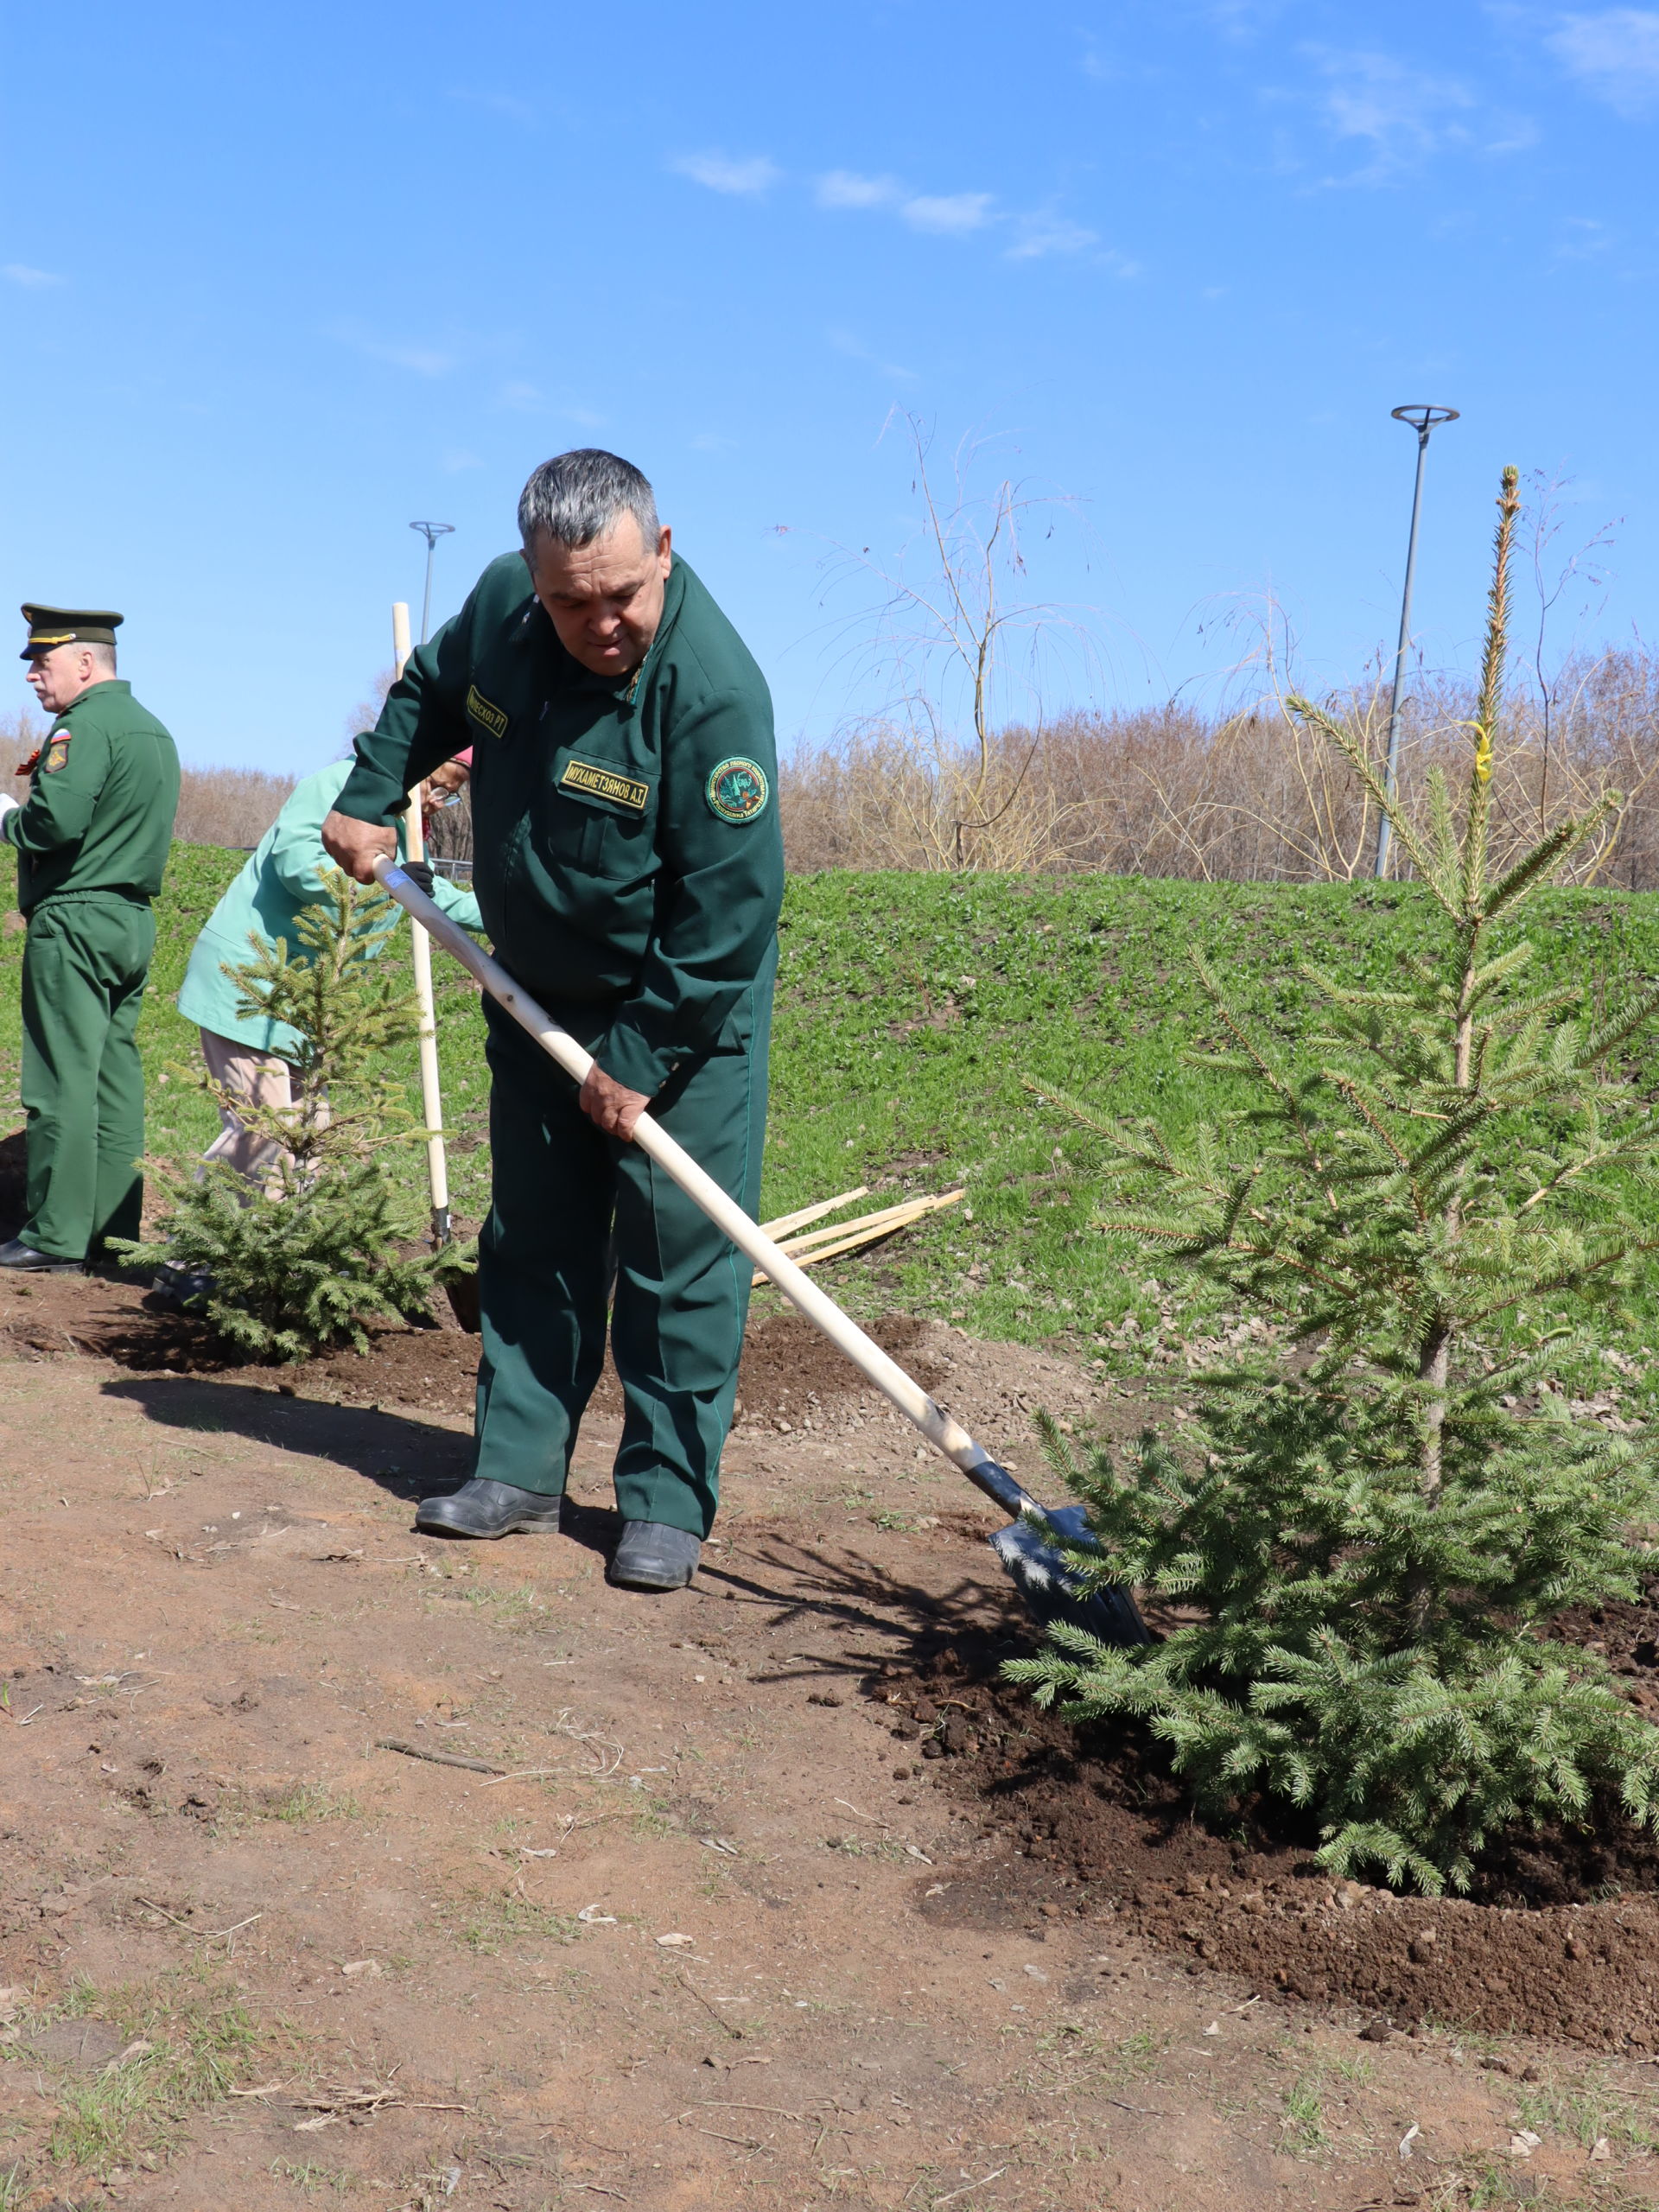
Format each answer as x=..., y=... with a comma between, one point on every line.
x=738, y=791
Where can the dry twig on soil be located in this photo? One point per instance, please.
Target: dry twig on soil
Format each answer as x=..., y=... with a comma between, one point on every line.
x=439, y=1758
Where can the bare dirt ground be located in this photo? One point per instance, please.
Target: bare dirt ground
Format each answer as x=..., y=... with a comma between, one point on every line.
x=758, y=1895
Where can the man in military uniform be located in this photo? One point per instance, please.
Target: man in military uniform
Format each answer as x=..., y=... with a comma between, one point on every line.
x=629, y=869
x=92, y=841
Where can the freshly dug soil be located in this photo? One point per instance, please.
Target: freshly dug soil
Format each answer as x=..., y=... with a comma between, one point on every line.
x=790, y=1377
x=1540, y=1950
x=1094, y=1814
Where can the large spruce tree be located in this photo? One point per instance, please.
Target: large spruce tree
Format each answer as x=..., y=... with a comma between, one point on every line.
x=1440, y=1198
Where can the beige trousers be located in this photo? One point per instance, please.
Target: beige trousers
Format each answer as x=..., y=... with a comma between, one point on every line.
x=261, y=1078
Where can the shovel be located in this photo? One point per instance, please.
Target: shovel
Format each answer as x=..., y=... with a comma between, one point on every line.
x=1028, y=1548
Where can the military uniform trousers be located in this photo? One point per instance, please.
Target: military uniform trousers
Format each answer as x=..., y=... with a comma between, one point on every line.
x=568, y=1205
x=84, y=965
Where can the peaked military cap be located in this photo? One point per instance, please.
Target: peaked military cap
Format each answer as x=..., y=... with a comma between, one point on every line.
x=67, y=625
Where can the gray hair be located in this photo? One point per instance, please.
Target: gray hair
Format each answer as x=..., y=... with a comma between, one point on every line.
x=103, y=655
x=576, y=497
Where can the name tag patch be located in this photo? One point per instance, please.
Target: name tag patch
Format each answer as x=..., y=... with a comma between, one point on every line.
x=488, y=717
x=604, y=783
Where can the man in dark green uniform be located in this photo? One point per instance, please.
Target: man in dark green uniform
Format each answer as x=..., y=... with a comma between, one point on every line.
x=92, y=841
x=629, y=868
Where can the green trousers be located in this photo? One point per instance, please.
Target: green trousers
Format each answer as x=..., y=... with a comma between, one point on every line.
x=85, y=964
x=568, y=1205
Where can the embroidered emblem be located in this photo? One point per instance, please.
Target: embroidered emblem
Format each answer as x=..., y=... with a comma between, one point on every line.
x=486, y=716
x=738, y=791
x=56, y=754
x=604, y=783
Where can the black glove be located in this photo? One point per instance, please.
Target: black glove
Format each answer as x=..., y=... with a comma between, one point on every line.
x=419, y=874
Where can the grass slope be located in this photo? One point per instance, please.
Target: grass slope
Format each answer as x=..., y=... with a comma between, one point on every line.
x=912, y=1012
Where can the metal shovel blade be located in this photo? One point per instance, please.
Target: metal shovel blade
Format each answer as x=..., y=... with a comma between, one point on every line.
x=1049, y=1587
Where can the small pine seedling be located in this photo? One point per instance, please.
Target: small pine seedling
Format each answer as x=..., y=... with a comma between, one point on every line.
x=303, y=1263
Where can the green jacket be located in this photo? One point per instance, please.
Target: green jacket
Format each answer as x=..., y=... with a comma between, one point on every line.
x=103, y=794
x=280, y=878
x=628, y=861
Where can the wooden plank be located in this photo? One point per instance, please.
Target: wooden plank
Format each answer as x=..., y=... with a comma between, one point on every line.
x=786, y=1222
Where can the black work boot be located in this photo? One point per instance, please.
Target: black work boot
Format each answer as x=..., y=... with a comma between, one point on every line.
x=481, y=1508
x=26, y=1261
x=650, y=1555
x=178, y=1285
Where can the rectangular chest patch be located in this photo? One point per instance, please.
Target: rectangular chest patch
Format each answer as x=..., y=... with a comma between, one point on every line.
x=486, y=716
x=604, y=783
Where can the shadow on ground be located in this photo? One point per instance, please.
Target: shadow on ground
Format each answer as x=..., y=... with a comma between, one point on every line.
x=406, y=1458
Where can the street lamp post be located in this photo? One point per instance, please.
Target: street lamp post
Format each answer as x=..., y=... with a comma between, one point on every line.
x=1422, y=420
x=432, y=531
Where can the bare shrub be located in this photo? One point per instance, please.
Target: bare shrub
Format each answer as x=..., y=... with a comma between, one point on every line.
x=20, y=733
x=449, y=830
x=228, y=806
x=364, y=715
x=1244, y=795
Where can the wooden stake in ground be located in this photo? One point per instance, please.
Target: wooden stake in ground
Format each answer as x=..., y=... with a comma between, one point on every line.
x=438, y=1163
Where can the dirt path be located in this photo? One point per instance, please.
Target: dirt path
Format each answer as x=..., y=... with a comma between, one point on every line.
x=709, y=1933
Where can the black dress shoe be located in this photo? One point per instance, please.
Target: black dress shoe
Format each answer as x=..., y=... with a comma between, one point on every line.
x=652, y=1556
x=481, y=1508
x=28, y=1261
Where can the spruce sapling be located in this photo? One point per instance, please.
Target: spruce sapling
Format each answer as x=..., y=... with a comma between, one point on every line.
x=1438, y=1200
x=303, y=1263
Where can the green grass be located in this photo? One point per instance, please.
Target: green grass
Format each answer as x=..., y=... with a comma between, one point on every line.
x=493, y=1921
x=303, y=1801
x=913, y=1012
x=189, y=2044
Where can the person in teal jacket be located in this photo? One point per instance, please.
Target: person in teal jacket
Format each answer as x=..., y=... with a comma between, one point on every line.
x=630, y=870
x=249, y=1056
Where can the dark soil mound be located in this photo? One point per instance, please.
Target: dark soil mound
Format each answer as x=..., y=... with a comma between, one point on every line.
x=790, y=1372
x=1541, y=1950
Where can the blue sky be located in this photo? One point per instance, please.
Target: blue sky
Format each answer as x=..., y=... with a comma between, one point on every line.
x=278, y=281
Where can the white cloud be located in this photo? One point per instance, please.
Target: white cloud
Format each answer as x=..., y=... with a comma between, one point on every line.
x=461, y=459
x=1616, y=53
x=425, y=361
x=529, y=399
x=422, y=360
x=1404, y=115
x=722, y=174
x=844, y=341
x=516, y=111
x=950, y=214
x=1042, y=235
x=19, y=272
x=1582, y=238
x=945, y=215
x=1244, y=19
x=846, y=188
